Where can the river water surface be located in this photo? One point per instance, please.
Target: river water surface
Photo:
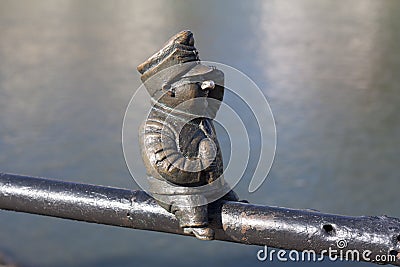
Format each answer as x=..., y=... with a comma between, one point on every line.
x=330, y=70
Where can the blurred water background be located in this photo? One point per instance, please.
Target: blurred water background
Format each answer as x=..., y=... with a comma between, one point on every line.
x=330, y=70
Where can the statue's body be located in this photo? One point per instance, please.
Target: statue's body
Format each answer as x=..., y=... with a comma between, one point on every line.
x=180, y=148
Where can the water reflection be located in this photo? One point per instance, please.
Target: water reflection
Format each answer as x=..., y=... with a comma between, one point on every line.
x=67, y=72
x=321, y=67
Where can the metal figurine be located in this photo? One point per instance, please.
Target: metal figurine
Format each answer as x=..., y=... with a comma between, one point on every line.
x=178, y=141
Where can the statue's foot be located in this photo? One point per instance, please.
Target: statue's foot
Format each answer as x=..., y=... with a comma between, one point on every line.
x=202, y=233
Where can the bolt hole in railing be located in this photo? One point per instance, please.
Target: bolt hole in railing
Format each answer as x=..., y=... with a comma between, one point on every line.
x=329, y=229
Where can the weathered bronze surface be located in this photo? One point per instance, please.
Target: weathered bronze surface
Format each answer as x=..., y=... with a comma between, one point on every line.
x=178, y=140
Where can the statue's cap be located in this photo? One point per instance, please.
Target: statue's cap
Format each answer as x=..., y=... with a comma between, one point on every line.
x=179, y=49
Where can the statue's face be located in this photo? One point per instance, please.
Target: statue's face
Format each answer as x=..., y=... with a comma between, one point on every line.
x=199, y=96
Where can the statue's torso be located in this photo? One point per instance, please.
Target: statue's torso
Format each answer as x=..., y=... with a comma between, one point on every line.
x=163, y=140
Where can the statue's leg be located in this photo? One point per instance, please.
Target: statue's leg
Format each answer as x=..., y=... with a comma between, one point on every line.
x=194, y=220
x=189, y=207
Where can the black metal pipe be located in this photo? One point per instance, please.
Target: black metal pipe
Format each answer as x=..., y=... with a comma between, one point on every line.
x=233, y=221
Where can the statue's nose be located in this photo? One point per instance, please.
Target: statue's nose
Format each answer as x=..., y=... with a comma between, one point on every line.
x=208, y=85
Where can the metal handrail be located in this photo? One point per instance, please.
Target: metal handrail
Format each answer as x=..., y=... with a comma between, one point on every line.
x=232, y=221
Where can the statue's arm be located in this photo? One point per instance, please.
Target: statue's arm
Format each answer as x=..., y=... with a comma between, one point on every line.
x=165, y=157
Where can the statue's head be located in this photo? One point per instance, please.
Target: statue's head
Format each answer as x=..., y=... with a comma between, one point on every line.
x=175, y=78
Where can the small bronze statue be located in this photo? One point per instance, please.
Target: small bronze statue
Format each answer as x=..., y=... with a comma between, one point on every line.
x=179, y=145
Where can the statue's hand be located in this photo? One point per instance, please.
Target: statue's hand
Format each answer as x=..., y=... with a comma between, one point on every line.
x=207, y=152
